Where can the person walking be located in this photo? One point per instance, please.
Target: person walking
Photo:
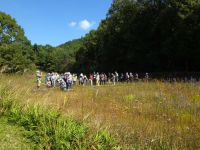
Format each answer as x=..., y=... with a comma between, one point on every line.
x=91, y=79
x=116, y=76
x=97, y=79
x=113, y=78
x=39, y=78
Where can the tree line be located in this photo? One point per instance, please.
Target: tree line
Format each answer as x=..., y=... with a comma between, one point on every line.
x=145, y=35
x=136, y=35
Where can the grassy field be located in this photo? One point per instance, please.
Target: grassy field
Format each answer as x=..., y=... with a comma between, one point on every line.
x=11, y=137
x=141, y=115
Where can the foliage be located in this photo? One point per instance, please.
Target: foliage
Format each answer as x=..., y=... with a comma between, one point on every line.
x=11, y=137
x=59, y=59
x=145, y=35
x=16, y=54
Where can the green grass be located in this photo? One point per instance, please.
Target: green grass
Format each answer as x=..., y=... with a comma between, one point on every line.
x=12, y=137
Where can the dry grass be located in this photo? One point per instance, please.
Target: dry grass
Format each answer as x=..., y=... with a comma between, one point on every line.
x=141, y=115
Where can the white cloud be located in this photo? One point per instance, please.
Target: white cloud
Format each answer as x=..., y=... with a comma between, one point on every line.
x=85, y=24
x=72, y=24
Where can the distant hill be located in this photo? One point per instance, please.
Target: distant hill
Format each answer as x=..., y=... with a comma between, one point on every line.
x=72, y=46
x=58, y=59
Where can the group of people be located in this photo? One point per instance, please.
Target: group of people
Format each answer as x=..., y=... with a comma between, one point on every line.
x=110, y=78
x=67, y=80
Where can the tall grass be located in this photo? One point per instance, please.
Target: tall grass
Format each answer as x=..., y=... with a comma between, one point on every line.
x=141, y=115
x=12, y=138
x=48, y=129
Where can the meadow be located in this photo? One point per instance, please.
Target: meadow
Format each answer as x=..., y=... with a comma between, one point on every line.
x=139, y=115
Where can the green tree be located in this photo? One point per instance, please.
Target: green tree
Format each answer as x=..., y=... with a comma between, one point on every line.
x=145, y=35
x=16, y=53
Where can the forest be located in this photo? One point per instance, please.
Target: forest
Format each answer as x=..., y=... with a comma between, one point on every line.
x=136, y=35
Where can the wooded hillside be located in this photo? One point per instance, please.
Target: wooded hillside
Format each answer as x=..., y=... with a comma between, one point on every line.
x=143, y=35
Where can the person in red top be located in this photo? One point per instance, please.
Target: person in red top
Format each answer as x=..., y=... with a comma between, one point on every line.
x=91, y=79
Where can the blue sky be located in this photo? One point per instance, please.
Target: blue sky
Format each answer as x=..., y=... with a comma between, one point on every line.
x=56, y=21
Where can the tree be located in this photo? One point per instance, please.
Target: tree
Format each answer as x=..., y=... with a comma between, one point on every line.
x=145, y=35
x=16, y=54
